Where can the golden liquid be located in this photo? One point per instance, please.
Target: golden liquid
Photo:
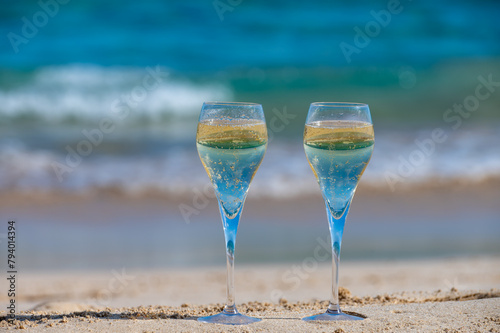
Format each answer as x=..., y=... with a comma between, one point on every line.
x=232, y=134
x=338, y=134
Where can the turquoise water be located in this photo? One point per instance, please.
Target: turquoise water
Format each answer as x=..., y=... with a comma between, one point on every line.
x=278, y=52
x=190, y=36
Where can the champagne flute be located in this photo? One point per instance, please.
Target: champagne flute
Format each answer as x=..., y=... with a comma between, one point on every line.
x=231, y=141
x=338, y=142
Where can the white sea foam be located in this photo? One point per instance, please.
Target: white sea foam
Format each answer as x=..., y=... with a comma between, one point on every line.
x=88, y=92
x=466, y=158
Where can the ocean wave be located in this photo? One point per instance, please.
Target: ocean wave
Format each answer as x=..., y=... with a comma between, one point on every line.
x=88, y=92
x=466, y=158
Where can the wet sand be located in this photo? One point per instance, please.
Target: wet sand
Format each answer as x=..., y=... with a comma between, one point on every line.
x=107, y=229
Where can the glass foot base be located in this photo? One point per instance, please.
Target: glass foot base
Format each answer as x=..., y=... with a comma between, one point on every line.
x=333, y=316
x=227, y=318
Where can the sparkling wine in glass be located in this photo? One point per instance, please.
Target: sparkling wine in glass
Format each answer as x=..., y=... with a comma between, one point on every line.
x=338, y=142
x=231, y=141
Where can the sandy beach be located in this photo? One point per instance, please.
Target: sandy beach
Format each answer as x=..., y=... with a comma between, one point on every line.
x=445, y=295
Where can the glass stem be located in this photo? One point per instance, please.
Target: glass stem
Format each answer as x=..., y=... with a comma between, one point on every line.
x=230, y=229
x=230, y=306
x=334, y=306
x=336, y=232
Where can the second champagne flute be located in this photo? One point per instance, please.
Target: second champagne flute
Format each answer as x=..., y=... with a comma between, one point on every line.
x=231, y=141
x=338, y=141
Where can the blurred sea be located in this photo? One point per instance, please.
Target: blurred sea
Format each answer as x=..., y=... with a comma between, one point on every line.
x=95, y=60
x=105, y=96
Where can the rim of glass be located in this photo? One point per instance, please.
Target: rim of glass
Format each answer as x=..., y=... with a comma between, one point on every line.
x=339, y=104
x=230, y=103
